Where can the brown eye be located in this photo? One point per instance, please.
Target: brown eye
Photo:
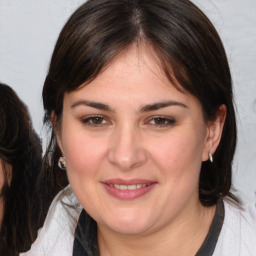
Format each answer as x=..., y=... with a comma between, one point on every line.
x=162, y=121
x=159, y=121
x=94, y=121
x=97, y=120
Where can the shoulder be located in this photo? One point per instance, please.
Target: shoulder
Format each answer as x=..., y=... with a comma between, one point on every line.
x=57, y=234
x=240, y=219
x=238, y=234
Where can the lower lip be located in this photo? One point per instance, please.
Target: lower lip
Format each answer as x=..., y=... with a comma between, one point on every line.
x=128, y=194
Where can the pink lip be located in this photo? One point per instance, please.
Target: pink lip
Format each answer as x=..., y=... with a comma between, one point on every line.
x=128, y=194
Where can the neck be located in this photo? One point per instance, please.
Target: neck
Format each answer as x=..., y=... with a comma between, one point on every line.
x=168, y=240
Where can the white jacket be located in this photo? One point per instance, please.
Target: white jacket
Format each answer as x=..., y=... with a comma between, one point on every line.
x=56, y=237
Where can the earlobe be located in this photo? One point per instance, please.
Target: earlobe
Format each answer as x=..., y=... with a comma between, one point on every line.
x=214, y=133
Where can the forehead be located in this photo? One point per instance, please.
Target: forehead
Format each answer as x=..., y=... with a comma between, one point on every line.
x=134, y=75
x=134, y=64
x=137, y=64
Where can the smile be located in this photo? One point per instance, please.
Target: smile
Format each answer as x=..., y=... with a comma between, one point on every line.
x=128, y=190
x=129, y=187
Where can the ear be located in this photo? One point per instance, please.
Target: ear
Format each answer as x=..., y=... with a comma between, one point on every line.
x=56, y=129
x=214, y=132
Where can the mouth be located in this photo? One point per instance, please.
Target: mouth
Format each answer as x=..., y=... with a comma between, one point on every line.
x=128, y=187
x=128, y=190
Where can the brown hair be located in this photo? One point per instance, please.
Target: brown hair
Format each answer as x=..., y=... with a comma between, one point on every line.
x=188, y=47
x=21, y=148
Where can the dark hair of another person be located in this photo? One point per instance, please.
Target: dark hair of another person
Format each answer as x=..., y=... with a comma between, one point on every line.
x=21, y=148
x=189, y=51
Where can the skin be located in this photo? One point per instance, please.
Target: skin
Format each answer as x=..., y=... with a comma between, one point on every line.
x=128, y=141
x=4, y=167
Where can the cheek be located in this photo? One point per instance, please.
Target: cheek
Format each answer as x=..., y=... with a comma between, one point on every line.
x=83, y=153
x=178, y=158
x=179, y=152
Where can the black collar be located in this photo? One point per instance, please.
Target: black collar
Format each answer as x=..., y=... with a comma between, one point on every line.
x=211, y=239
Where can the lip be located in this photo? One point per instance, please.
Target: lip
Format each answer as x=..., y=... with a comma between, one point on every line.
x=142, y=188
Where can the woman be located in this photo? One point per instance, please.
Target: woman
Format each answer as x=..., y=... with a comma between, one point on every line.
x=20, y=164
x=139, y=96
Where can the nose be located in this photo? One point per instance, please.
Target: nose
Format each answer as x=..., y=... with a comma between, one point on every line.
x=126, y=150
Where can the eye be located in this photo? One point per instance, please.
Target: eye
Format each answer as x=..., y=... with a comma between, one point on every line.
x=161, y=121
x=95, y=120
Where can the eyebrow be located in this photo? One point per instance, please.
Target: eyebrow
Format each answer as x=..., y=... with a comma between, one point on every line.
x=92, y=104
x=146, y=108
x=159, y=105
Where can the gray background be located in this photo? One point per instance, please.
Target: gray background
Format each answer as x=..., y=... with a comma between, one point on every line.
x=29, y=29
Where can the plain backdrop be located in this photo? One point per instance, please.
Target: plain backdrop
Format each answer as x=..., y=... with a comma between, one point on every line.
x=29, y=29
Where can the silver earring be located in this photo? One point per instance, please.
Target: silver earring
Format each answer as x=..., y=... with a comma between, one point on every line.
x=210, y=157
x=62, y=163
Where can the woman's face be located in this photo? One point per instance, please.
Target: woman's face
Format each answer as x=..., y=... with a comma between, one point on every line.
x=134, y=145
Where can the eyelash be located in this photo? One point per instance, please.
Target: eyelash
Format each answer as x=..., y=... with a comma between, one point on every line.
x=164, y=121
x=89, y=120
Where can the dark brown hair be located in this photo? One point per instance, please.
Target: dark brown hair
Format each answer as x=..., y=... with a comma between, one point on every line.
x=21, y=148
x=190, y=52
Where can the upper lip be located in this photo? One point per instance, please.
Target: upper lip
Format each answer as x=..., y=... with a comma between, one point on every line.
x=128, y=182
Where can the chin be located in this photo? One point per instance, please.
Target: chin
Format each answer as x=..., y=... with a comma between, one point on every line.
x=127, y=230
x=128, y=226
